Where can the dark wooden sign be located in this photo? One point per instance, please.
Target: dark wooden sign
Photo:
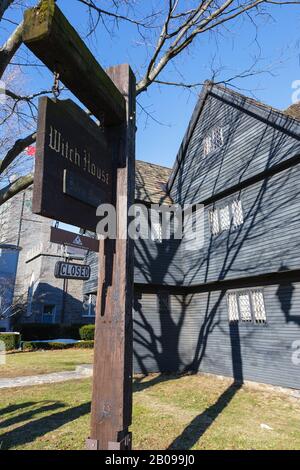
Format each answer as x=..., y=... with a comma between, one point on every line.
x=73, y=169
x=63, y=237
x=72, y=271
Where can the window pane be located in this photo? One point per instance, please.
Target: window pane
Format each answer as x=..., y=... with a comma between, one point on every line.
x=245, y=308
x=207, y=147
x=156, y=232
x=225, y=218
x=259, y=307
x=49, y=314
x=217, y=138
x=233, y=311
x=213, y=141
x=214, y=222
x=237, y=212
x=155, y=228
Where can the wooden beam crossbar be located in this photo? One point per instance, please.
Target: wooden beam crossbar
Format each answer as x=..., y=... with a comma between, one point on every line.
x=50, y=36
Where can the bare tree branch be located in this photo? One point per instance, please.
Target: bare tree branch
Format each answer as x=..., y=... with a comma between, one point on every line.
x=9, y=49
x=176, y=36
x=19, y=147
x=14, y=188
x=144, y=23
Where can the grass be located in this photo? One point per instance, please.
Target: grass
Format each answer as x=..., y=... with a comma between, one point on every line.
x=43, y=362
x=190, y=412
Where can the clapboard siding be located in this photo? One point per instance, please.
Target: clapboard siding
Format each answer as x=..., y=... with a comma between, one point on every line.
x=267, y=242
x=91, y=285
x=158, y=263
x=154, y=263
x=195, y=335
x=251, y=146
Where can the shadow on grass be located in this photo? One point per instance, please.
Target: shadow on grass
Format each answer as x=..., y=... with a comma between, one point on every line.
x=27, y=415
x=139, y=383
x=37, y=428
x=199, y=425
x=13, y=408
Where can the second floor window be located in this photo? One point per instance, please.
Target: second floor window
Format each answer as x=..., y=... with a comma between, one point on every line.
x=213, y=140
x=223, y=217
x=156, y=226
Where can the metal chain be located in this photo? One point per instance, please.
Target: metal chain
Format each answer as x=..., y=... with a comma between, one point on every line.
x=56, y=88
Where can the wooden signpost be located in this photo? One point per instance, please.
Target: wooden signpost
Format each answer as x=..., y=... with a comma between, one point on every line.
x=110, y=96
x=74, y=167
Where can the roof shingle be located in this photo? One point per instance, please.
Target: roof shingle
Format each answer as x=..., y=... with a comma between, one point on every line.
x=151, y=182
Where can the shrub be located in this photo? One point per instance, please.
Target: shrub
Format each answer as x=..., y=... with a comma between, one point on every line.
x=30, y=346
x=41, y=331
x=38, y=331
x=69, y=332
x=39, y=346
x=87, y=332
x=11, y=340
x=84, y=345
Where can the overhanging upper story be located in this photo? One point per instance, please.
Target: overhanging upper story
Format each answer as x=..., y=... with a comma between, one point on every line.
x=240, y=159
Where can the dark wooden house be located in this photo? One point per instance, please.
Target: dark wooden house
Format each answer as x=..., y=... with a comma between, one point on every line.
x=231, y=307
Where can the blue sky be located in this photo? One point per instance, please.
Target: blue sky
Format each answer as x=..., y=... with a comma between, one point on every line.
x=159, y=143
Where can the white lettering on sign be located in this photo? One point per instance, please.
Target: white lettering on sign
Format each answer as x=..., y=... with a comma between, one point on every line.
x=73, y=271
x=85, y=162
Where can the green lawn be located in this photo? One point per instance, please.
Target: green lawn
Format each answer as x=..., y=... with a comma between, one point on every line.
x=191, y=412
x=43, y=362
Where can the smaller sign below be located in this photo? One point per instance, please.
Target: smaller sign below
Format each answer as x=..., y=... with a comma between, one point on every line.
x=64, y=270
x=63, y=237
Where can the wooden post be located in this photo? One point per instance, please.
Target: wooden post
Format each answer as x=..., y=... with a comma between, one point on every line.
x=112, y=381
x=110, y=96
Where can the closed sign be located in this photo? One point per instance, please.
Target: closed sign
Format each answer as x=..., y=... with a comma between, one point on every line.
x=72, y=271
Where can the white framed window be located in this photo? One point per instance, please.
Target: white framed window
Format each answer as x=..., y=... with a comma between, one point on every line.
x=222, y=218
x=237, y=213
x=259, y=307
x=233, y=309
x=247, y=306
x=213, y=140
x=214, y=222
x=156, y=226
x=224, y=215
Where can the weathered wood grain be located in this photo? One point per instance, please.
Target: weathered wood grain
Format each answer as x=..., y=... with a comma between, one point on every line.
x=112, y=389
x=49, y=35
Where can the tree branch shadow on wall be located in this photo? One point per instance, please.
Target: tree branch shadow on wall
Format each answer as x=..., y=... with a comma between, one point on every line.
x=285, y=294
x=263, y=208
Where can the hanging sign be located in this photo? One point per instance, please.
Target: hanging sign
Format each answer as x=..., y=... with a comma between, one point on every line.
x=63, y=237
x=72, y=271
x=73, y=165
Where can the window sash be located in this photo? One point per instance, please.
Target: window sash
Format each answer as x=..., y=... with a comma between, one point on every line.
x=213, y=141
x=247, y=306
x=237, y=213
x=259, y=308
x=222, y=218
